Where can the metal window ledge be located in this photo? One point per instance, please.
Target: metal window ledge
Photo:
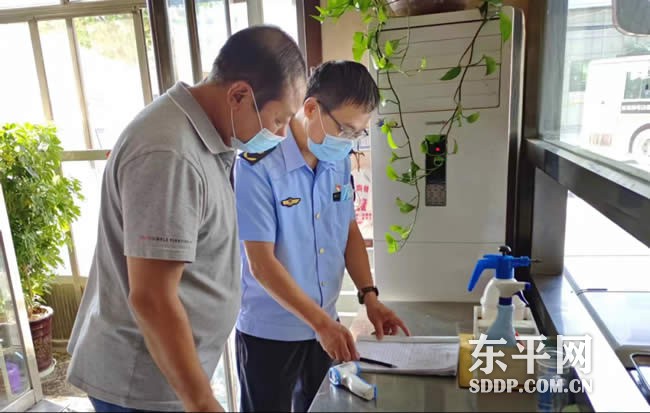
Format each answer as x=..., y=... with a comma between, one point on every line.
x=559, y=310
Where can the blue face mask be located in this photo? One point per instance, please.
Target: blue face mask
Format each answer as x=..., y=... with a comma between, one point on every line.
x=332, y=149
x=261, y=142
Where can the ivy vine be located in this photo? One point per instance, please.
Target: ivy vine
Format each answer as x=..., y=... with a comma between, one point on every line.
x=388, y=58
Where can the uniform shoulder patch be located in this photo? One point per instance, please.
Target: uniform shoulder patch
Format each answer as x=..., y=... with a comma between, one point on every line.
x=253, y=158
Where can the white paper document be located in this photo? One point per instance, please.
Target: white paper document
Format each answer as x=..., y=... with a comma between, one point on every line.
x=419, y=355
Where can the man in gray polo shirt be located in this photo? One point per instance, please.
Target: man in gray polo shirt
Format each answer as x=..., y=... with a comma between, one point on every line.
x=163, y=291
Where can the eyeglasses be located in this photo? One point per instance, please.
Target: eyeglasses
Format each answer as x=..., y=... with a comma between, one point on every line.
x=343, y=131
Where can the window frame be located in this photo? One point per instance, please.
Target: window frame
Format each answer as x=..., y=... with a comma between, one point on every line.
x=546, y=170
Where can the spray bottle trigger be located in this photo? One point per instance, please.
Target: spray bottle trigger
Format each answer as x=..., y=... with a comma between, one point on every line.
x=481, y=266
x=522, y=298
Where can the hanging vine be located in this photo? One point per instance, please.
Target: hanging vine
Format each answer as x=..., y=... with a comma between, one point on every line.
x=388, y=59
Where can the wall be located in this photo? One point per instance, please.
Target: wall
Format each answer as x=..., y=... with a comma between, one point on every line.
x=337, y=36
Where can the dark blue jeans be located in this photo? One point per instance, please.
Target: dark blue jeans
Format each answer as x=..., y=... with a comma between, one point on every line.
x=105, y=407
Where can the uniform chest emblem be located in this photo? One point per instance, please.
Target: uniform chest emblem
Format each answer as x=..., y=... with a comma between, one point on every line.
x=289, y=202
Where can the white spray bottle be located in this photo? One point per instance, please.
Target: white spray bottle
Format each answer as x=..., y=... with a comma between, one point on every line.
x=502, y=326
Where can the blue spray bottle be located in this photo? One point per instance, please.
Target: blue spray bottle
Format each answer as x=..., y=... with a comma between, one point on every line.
x=502, y=326
x=504, y=265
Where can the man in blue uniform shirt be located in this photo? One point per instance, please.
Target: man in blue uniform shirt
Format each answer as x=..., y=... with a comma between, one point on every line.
x=296, y=222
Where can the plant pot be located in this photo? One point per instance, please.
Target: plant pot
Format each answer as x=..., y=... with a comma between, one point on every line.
x=400, y=8
x=41, y=326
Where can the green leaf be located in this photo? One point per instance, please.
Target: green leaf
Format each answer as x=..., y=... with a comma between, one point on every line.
x=359, y=45
x=319, y=18
x=424, y=148
x=381, y=15
x=451, y=73
x=385, y=128
x=393, y=246
x=368, y=19
x=423, y=63
x=363, y=5
x=404, y=207
x=393, y=157
x=405, y=178
x=505, y=26
x=414, y=169
x=375, y=59
x=433, y=138
x=490, y=65
x=455, y=149
x=388, y=48
x=473, y=117
x=403, y=232
x=391, y=141
x=390, y=173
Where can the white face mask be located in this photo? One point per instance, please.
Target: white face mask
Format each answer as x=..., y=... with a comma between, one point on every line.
x=261, y=142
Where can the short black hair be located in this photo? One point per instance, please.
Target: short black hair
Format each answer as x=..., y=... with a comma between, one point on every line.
x=335, y=83
x=264, y=56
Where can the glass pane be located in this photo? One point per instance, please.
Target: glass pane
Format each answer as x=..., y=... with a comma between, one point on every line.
x=14, y=378
x=282, y=13
x=180, y=40
x=21, y=97
x=66, y=109
x=238, y=16
x=84, y=230
x=111, y=75
x=607, y=258
x=605, y=107
x=211, y=18
x=12, y=4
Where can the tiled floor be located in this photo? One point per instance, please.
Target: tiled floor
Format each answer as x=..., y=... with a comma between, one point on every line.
x=63, y=404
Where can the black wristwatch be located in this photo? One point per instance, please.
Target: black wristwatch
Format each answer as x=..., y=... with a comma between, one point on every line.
x=361, y=294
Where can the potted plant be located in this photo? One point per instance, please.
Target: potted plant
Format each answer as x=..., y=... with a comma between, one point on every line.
x=6, y=321
x=41, y=204
x=387, y=58
x=417, y=7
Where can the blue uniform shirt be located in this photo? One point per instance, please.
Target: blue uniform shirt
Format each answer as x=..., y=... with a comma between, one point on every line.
x=306, y=213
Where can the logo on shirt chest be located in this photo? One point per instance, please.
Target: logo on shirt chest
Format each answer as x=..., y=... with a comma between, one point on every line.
x=289, y=202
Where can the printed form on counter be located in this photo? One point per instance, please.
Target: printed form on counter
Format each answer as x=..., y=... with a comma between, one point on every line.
x=418, y=355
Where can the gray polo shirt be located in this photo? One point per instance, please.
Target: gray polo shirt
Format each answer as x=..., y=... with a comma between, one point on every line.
x=166, y=194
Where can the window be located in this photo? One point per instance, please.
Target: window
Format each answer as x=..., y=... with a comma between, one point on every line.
x=605, y=89
x=578, y=76
x=89, y=76
x=20, y=82
x=282, y=13
x=590, y=169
